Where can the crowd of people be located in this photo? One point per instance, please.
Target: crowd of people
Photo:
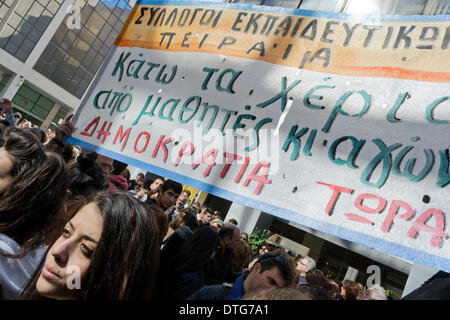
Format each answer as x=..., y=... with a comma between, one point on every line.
x=74, y=225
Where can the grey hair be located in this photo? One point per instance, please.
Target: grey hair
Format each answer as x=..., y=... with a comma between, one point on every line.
x=311, y=264
x=378, y=292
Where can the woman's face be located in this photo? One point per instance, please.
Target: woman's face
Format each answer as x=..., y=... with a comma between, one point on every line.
x=6, y=165
x=69, y=258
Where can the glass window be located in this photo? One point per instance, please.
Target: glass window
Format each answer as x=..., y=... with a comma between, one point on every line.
x=105, y=12
x=95, y=23
x=103, y=35
x=29, y=21
x=4, y=81
x=25, y=49
x=282, y=3
x=87, y=37
x=35, y=10
x=327, y=6
x=45, y=103
x=257, y=2
x=370, y=7
x=60, y=33
x=31, y=100
x=14, y=43
x=14, y=20
x=53, y=6
x=59, y=118
x=443, y=7
x=411, y=6
x=43, y=2
x=22, y=8
x=83, y=50
x=44, y=20
x=89, y=58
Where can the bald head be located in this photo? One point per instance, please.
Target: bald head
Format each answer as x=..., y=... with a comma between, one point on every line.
x=230, y=235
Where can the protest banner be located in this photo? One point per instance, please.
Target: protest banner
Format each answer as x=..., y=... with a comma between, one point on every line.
x=337, y=122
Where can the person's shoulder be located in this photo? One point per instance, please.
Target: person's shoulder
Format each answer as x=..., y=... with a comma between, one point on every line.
x=8, y=245
x=214, y=292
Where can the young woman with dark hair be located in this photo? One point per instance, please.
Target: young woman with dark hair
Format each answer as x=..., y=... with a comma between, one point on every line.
x=186, y=274
x=111, y=245
x=32, y=188
x=85, y=180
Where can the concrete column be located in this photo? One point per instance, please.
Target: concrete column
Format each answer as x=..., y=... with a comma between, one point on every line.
x=417, y=276
x=50, y=116
x=246, y=217
x=13, y=85
x=201, y=197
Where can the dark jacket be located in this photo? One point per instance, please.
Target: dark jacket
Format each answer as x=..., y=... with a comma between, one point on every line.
x=187, y=284
x=435, y=288
x=225, y=291
x=221, y=268
x=167, y=278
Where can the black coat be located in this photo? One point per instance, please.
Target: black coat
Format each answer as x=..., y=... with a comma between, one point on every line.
x=435, y=288
x=221, y=268
x=188, y=283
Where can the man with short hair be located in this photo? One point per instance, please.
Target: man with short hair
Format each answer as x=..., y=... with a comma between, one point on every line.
x=136, y=184
x=221, y=268
x=180, y=204
x=305, y=265
x=167, y=195
x=272, y=270
x=105, y=163
x=149, y=189
x=204, y=217
x=17, y=117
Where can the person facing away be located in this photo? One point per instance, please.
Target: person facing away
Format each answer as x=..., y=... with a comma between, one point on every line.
x=108, y=250
x=33, y=184
x=241, y=256
x=187, y=267
x=188, y=225
x=350, y=290
x=272, y=270
x=117, y=182
x=167, y=195
x=221, y=268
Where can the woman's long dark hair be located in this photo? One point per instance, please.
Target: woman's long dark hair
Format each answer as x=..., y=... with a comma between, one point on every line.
x=126, y=259
x=30, y=203
x=197, y=250
x=85, y=179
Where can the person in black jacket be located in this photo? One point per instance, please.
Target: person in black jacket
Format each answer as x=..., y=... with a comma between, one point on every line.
x=183, y=274
x=435, y=288
x=221, y=268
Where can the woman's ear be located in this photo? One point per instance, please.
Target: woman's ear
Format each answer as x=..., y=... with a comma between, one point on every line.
x=68, y=193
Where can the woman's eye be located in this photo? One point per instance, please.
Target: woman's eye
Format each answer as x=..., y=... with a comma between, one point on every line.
x=86, y=251
x=66, y=233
